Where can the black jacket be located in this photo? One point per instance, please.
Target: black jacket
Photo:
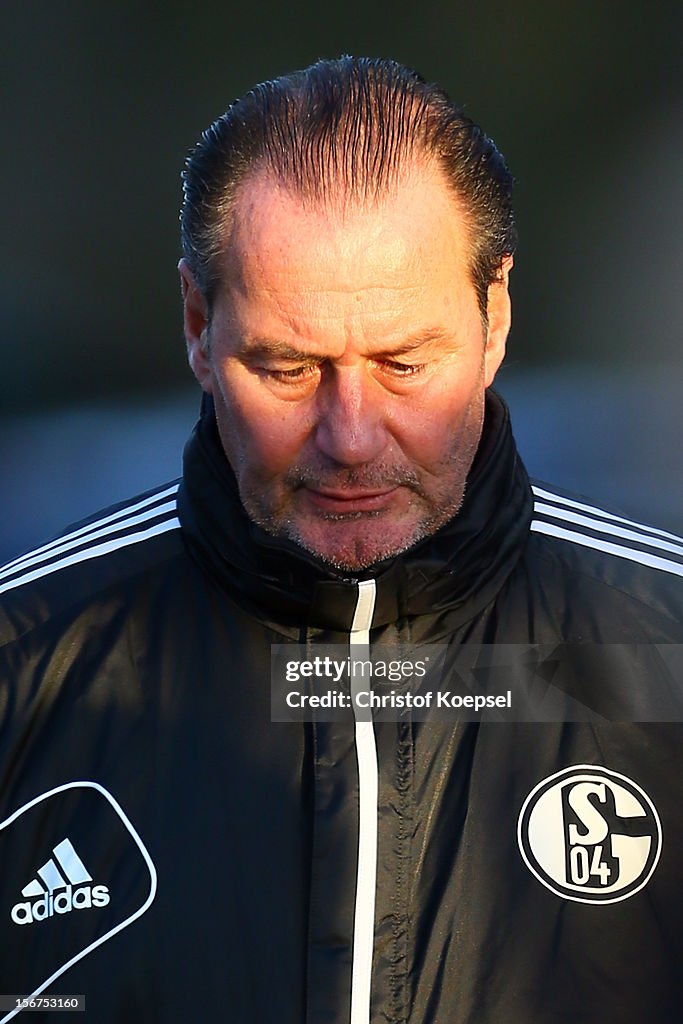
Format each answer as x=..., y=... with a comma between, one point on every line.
x=172, y=854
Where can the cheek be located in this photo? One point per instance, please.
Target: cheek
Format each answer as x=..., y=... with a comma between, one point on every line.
x=259, y=434
x=428, y=429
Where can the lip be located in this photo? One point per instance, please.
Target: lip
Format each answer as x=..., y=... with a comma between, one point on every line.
x=349, y=501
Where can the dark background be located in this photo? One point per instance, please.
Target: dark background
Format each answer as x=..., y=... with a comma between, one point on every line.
x=100, y=104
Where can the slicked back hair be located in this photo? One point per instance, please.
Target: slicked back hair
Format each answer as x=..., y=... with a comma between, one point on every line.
x=345, y=130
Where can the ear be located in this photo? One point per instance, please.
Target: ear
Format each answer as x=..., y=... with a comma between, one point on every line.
x=499, y=315
x=196, y=324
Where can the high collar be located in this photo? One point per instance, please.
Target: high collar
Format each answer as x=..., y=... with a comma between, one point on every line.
x=456, y=571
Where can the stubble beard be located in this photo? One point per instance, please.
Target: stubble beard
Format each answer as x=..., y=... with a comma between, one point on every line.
x=279, y=519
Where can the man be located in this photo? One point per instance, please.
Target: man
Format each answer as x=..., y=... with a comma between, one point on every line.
x=170, y=852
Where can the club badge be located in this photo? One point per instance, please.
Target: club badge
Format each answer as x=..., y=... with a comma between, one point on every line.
x=590, y=834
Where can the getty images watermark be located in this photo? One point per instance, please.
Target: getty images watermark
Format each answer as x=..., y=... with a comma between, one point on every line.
x=477, y=682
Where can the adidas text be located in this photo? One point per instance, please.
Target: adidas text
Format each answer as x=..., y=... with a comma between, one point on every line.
x=64, y=902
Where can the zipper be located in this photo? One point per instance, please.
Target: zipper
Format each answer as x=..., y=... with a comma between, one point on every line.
x=368, y=787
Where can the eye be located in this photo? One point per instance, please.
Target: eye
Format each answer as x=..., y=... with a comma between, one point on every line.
x=295, y=375
x=402, y=369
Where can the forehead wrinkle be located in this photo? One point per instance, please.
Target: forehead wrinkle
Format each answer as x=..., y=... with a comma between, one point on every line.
x=281, y=282
x=271, y=348
x=237, y=240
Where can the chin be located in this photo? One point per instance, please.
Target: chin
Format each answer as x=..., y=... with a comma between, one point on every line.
x=352, y=554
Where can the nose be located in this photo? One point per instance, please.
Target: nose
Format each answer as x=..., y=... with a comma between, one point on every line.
x=351, y=426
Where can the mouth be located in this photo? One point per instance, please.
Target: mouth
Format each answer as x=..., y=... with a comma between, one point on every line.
x=349, y=501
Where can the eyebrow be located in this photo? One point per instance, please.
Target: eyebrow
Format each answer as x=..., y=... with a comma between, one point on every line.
x=259, y=348
x=429, y=336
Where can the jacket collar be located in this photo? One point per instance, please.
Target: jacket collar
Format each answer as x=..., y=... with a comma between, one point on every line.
x=456, y=571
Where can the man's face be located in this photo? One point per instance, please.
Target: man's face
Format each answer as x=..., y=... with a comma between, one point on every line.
x=347, y=361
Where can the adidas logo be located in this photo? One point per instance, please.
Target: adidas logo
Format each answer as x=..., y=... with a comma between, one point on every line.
x=64, y=871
